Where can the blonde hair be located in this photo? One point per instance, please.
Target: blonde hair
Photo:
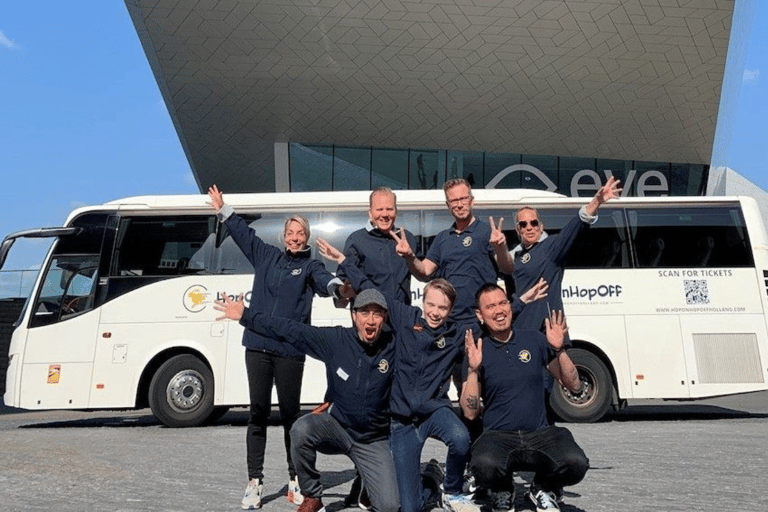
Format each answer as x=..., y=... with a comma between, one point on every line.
x=301, y=221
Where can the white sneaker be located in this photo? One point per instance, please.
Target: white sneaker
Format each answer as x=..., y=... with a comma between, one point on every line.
x=294, y=492
x=459, y=503
x=252, y=496
x=544, y=501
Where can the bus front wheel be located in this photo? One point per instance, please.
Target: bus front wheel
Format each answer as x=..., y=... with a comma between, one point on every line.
x=594, y=399
x=181, y=392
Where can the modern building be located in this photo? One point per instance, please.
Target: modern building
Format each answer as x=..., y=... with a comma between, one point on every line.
x=350, y=94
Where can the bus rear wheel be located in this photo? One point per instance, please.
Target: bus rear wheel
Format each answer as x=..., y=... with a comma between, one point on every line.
x=594, y=399
x=181, y=392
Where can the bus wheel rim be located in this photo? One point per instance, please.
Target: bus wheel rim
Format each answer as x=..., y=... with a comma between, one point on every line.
x=185, y=391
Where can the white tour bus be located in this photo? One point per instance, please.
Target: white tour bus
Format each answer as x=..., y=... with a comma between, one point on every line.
x=665, y=298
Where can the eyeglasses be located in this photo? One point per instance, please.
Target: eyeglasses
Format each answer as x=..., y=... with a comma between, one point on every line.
x=524, y=224
x=460, y=200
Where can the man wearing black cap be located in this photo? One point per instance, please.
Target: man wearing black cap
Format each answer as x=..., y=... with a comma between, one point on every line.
x=355, y=422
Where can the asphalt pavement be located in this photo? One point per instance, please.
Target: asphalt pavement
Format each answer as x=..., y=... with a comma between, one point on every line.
x=710, y=455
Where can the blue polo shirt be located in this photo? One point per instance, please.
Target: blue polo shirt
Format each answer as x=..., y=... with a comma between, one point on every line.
x=465, y=259
x=512, y=381
x=373, y=252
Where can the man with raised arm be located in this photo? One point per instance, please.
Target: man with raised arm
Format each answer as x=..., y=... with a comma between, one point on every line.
x=504, y=375
x=539, y=255
x=358, y=362
x=428, y=347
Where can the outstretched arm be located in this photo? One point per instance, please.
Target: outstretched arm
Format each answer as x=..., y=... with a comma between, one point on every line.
x=421, y=269
x=470, y=389
x=561, y=368
x=610, y=190
x=499, y=244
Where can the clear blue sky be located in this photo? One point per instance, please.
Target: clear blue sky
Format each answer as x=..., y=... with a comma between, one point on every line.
x=83, y=121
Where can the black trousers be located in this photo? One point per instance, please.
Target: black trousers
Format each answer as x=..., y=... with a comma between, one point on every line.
x=264, y=370
x=551, y=453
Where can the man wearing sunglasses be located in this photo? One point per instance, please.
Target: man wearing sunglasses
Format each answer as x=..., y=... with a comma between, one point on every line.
x=539, y=255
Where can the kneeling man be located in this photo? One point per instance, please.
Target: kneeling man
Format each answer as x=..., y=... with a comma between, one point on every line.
x=358, y=362
x=504, y=370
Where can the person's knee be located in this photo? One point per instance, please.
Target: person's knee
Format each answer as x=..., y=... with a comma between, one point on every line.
x=300, y=431
x=483, y=465
x=577, y=466
x=460, y=439
x=388, y=503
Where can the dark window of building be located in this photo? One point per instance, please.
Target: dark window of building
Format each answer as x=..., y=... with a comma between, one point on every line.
x=389, y=168
x=465, y=164
x=311, y=167
x=497, y=172
x=545, y=177
x=426, y=169
x=351, y=168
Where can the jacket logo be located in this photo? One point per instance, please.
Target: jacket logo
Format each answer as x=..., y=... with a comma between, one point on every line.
x=383, y=366
x=296, y=272
x=440, y=342
x=524, y=356
x=467, y=241
x=526, y=257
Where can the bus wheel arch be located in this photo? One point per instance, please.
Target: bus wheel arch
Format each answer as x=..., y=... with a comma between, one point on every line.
x=598, y=384
x=179, y=388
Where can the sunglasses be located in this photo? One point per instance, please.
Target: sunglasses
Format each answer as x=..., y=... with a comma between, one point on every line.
x=524, y=224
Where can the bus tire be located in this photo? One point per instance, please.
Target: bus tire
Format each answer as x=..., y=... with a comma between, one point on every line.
x=593, y=402
x=181, y=392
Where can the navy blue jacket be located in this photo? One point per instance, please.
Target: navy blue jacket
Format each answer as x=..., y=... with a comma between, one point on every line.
x=374, y=254
x=283, y=285
x=544, y=259
x=359, y=375
x=425, y=357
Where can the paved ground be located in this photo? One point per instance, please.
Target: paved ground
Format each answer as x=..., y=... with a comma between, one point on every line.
x=709, y=455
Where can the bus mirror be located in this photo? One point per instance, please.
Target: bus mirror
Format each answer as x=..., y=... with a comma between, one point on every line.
x=5, y=247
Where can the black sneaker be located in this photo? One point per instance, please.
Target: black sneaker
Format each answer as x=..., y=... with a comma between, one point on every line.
x=353, y=498
x=432, y=479
x=503, y=501
x=544, y=501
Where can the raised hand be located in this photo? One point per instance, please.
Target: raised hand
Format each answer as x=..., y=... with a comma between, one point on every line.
x=609, y=191
x=535, y=292
x=329, y=252
x=217, y=199
x=474, y=351
x=403, y=248
x=232, y=309
x=497, y=235
x=556, y=327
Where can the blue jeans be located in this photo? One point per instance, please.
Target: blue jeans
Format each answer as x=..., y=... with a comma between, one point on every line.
x=407, y=441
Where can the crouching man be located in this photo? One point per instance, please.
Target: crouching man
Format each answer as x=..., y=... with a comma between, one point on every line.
x=358, y=362
x=504, y=372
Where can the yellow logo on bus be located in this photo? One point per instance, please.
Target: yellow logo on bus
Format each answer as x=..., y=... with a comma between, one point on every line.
x=196, y=298
x=54, y=373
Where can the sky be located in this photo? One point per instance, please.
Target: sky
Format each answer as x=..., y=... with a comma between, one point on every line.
x=83, y=121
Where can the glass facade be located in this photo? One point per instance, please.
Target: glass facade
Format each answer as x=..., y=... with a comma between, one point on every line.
x=324, y=167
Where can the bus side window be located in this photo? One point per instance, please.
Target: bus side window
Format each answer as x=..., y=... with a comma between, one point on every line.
x=680, y=237
x=163, y=246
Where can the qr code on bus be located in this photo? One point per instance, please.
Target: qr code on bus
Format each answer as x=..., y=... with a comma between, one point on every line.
x=696, y=291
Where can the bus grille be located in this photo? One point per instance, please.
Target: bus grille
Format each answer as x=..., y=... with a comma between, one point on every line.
x=728, y=358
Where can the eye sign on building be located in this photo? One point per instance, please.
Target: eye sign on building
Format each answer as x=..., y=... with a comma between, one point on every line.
x=586, y=182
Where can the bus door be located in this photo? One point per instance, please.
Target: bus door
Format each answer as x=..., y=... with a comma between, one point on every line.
x=62, y=323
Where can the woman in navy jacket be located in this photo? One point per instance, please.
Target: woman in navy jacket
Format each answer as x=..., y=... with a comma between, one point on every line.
x=284, y=284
